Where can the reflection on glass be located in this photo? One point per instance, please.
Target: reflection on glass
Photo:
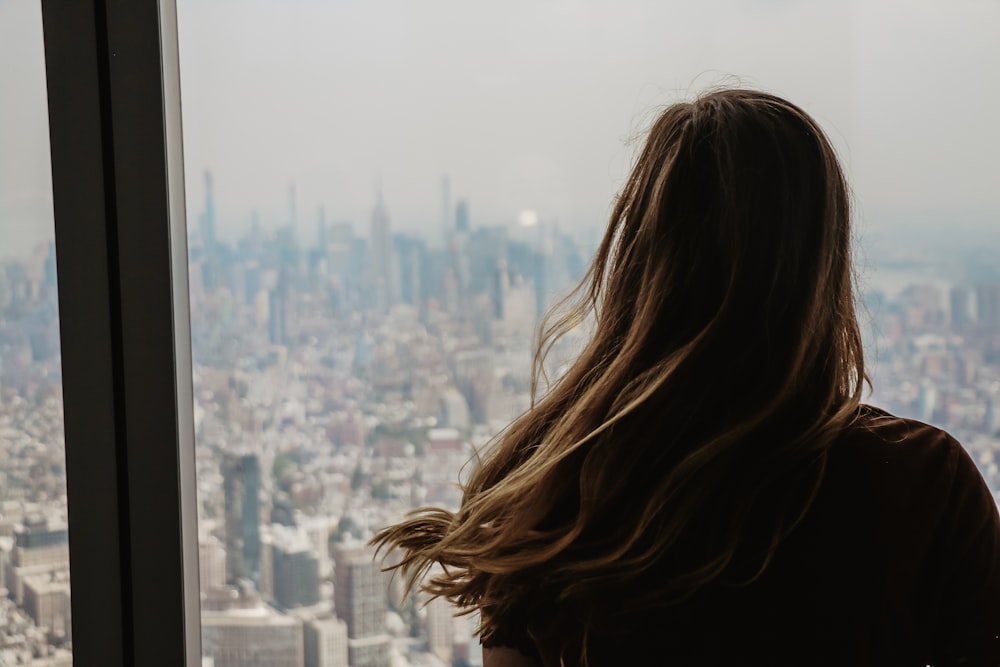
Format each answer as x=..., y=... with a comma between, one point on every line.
x=35, y=623
x=384, y=199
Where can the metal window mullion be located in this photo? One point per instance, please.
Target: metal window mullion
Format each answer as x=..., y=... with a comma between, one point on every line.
x=90, y=354
x=124, y=324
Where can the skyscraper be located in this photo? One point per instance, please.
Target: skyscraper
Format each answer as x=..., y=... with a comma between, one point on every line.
x=241, y=485
x=360, y=600
x=988, y=307
x=446, y=209
x=381, y=267
x=462, y=216
x=325, y=642
x=441, y=629
x=246, y=633
x=960, y=311
x=296, y=569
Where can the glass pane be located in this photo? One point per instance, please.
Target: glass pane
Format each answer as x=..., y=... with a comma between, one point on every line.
x=384, y=196
x=34, y=554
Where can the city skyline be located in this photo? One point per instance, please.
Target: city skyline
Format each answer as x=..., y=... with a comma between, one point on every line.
x=540, y=109
x=383, y=197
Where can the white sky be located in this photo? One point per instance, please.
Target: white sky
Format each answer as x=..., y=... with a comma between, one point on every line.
x=529, y=104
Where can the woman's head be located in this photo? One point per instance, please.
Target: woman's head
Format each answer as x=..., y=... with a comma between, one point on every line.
x=725, y=359
x=733, y=230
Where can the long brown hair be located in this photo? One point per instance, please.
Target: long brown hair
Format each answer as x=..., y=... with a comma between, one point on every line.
x=691, y=434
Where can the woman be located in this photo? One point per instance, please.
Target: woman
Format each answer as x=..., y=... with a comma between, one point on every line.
x=703, y=486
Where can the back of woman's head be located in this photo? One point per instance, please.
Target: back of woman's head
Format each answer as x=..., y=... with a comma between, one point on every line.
x=690, y=435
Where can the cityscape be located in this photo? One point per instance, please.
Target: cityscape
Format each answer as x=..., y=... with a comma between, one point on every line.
x=346, y=373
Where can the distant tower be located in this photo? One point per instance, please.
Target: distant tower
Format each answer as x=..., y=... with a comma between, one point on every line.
x=926, y=401
x=446, y=209
x=292, y=215
x=241, y=484
x=499, y=285
x=277, y=315
x=960, y=300
x=208, y=217
x=992, y=422
x=322, y=238
x=988, y=307
x=462, y=216
x=381, y=256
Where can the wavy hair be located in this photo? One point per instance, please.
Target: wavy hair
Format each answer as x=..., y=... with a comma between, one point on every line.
x=690, y=436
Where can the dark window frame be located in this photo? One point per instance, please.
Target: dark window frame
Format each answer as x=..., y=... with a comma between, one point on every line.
x=121, y=249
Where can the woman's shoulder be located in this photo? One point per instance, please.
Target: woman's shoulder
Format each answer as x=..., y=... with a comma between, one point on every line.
x=897, y=471
x=883, y=437
x=911, y=468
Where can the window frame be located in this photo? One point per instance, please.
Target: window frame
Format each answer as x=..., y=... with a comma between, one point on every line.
x=112, y=77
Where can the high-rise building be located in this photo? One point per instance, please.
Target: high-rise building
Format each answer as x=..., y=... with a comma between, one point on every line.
x=410, y=253
x=211, y=563
x=241, y=486
x=277, y=318
x=381, y=266
x=960, y=307
x=296, y=569
x=988, y=307
x=360, y=600
x=462, y=216
x=498, y=290
x=446, y=209
x=293, y=217
x=39, y=532
x=325, y=642
x=41, y=550
x=441, y=629
x=248, y=633
x=47, y=601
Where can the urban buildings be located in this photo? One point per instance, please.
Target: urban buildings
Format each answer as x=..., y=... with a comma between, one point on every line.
x=241, y=484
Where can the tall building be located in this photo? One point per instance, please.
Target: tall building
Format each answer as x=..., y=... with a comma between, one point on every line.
x=41, y=551
x=241, y=488
x=960, y=310
x=296, y=569
x=359, y=592
x=248, y=633
x=498, y=290
x=277, y=317
x=211, y=563
x=462, y=216
x=441, y=629
x=381, y=267
x=446, y=209
x=325, y=642
x=38, y=532
x=47, y=601
x=293, y=217
x=410, y=253
x=988, y=307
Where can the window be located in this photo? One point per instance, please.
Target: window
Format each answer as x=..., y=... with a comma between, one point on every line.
x=35, y=618
x=376, y=190
x=384, y=197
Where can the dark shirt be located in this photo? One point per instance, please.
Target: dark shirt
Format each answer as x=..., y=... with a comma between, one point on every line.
x=896, y=563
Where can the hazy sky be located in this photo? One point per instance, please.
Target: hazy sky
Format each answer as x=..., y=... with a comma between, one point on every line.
x=531, y=104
